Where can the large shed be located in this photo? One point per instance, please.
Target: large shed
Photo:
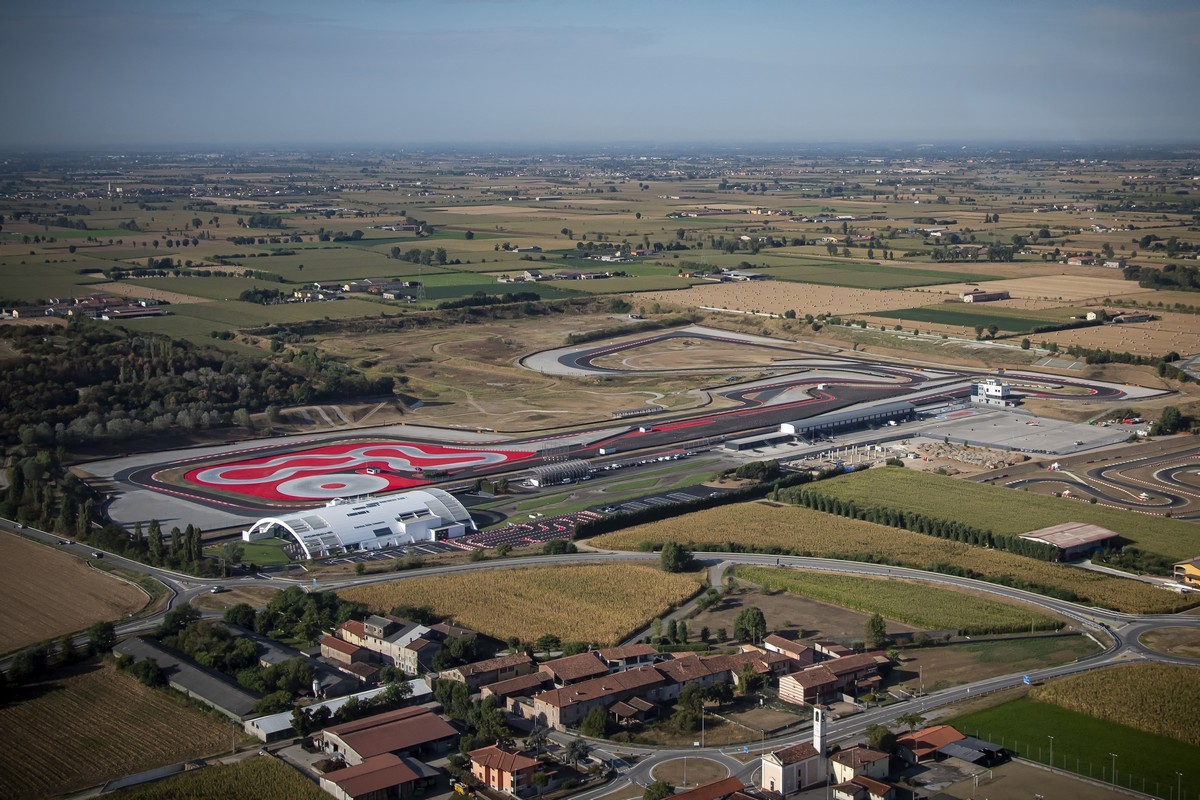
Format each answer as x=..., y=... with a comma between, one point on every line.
x=1074, y=540
x=423, y=515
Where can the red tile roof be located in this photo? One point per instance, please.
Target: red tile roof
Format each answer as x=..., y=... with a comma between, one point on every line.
x=492, y=664
x=713, y=791
x=355, y=628
x=502, y=760
x=577, y=667
x=341, y=645
x=520, y=685
x=375, y=774
x=857, y=756
x=796, y=753
x=927, y=740
x=634, y=681
x=389, y=732
x=627, y=652
x=787, y=645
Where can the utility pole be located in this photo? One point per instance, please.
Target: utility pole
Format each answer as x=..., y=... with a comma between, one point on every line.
x=1114, y=757
x=1051, y=738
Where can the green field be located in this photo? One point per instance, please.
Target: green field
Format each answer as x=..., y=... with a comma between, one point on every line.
x=869, y=275
x=913, y=603
x=991, y=508
x=27, y=278
x=266, y=552
x=1084, y=745
x=334, y=264
x=970, y=315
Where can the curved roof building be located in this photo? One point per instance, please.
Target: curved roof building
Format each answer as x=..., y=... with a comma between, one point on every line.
x=423, y=515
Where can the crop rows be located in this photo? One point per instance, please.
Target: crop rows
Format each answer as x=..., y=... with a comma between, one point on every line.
x=914, y=603
x=597, y=603
x=94, y=724
x=1156, y=698
x=252, y=779
x=767, y=528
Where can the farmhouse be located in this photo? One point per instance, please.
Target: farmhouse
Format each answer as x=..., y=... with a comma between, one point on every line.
x=826, y=682
x=424, y=515
x=1073, y=540
x=491, y=670
x=1081, y=261
x=1188, y=572
x=980, y=296
x=574, y=669
x=563, y=708
x=1131, y=316
x=801, y=654
x=520, y=686
x=414, y=731
x=578, y=275
x=628, y=656
x=859, y=760
x=744, y=275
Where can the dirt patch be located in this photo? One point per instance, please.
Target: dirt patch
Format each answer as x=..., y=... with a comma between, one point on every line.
x=1183, y=642
x=1019, y=781
x=695, y=772
x=48, y=593
x=800, y=616
x=953, y=665
x=148, y=293
x=255, y=596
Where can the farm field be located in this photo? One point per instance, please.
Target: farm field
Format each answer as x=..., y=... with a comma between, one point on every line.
x=260, y=778
x=771, y=528
x=989, y=508
x=1076, y=284
x=48, y=594
x=943, y=666
x=597, y=603
x=869, y=275
x=1170, y=332
x=913, y=603
x=89, y=723
x=777, y=297
x=1156, y=698
x=1084, y=744
x=970, y=315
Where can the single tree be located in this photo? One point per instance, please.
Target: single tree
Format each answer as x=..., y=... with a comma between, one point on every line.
x=675, y=558
x=577, y=750
x=876, y=632
x=659, y=790
x=911, y=720
x=750, y=624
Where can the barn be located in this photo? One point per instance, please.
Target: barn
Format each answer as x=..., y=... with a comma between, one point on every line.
x=341, y=526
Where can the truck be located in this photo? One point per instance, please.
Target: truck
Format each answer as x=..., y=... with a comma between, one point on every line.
x=608, y=451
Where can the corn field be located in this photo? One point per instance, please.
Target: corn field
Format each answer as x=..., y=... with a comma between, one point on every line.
x=768, y=528
x=259, y=778
x=597, y=603
x=1156, y=698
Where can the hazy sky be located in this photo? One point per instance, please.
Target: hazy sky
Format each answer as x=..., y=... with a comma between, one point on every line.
x=401, y=72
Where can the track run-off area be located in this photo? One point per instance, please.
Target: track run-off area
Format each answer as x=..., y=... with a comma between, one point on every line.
x=235, y=482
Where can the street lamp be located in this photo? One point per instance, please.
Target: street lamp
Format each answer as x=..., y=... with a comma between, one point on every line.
x=1051, y=738
x=1179, y=785
x=1114, y=756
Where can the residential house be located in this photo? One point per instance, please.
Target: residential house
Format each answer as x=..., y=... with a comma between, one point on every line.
x=825, y=682
x=535, y=275
x=628, y=656
x=861, y=787
x=574, y=669
x=520, y=686
x=411, y=731
x=831, y=649
x=717, y=790
x=801, y=654
x=859, y=760
x=503, y=770
x=563, y=708
x=1188, y=572
x=1081, y=261
x=491, y=670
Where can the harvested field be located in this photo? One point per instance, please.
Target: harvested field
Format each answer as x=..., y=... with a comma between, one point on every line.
x=89, y=724
x=906, y=601
x=146, y=292
x=256, y=596
x=250, y=779
x=801, y=531
x=1156, y=698
x=598, y=603
x=1072, y=288
x=1171, y=332
x=48, y=593
x=776, y=297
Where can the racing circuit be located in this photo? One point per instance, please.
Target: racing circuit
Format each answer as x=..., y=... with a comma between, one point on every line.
x=250, y=478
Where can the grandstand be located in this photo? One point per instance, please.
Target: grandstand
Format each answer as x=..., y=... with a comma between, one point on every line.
x=342, y=526
x=550, y=474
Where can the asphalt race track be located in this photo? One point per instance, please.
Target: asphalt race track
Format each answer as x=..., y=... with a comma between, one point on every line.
x=297, y=475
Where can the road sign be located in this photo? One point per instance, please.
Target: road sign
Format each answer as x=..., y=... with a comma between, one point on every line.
x=1026, y=680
